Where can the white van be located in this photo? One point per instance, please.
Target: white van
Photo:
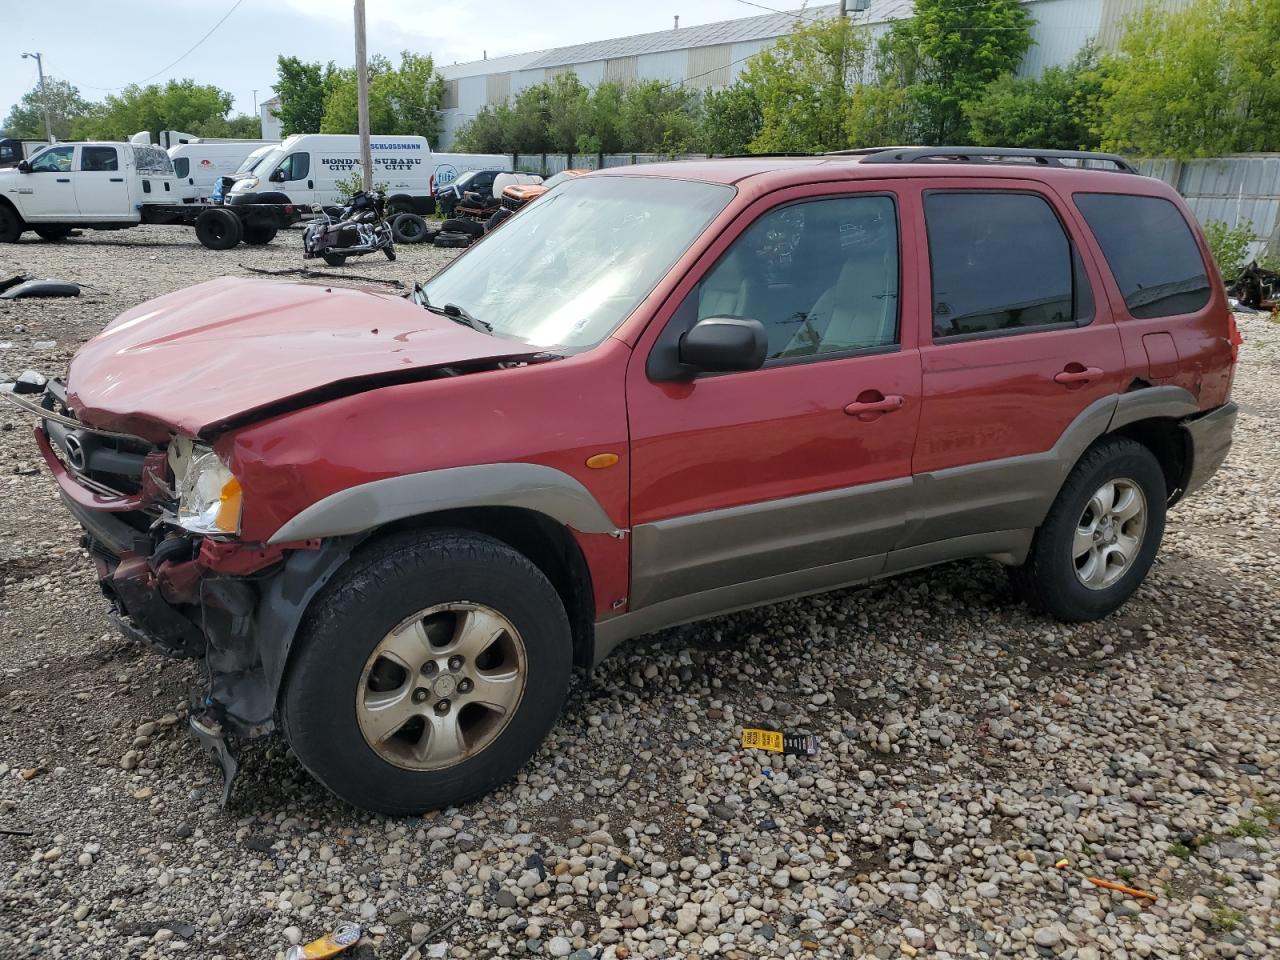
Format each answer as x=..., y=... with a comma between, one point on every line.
x=201, y=162
x=307, y=168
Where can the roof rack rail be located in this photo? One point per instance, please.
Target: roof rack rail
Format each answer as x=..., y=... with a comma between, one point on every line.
x=1047, y=158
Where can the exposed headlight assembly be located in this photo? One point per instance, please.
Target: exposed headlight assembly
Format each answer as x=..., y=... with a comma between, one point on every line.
x=208, y=493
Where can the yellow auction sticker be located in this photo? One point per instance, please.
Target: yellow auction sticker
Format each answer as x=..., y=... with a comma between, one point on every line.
x=770, y=740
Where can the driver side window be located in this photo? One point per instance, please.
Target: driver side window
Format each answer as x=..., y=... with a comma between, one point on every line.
x=820, y=275
x=53, y=160
x=296, y=166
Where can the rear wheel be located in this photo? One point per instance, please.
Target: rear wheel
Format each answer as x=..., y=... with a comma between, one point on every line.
x=335, y=259
x=1101, y=535
x=10, y=224
x=219, y=229
x=428, y=673
x=52, y=234
x=259, y=232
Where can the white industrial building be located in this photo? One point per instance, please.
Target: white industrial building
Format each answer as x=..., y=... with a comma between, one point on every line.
x=711, y=55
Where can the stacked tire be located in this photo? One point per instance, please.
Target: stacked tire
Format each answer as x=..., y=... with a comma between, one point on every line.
x=458, y=232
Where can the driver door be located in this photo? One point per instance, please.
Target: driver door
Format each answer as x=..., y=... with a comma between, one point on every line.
x=47, y=193
x=793, y=478
x=293, y=178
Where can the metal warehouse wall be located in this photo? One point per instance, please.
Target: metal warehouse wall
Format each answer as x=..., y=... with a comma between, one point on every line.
x=1234, y=189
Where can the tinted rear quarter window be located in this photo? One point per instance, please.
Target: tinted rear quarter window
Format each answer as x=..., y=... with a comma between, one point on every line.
x=1000, y=262
x=1151, y=251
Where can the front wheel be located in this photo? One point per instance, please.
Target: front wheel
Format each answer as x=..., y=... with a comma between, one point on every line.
x=1101, y=535
x=428, y=673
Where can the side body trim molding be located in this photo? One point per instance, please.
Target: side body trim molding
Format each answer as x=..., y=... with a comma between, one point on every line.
x=530, y=485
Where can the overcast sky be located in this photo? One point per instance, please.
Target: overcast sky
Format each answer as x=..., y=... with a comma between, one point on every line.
x=97, y=44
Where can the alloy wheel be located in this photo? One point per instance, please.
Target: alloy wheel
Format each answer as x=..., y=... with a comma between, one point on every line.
x=1109, y=533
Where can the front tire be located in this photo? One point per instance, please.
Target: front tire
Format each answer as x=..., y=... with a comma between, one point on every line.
x=52, y=234
x=1101, y=534
x=427, y=673
x=11, y=225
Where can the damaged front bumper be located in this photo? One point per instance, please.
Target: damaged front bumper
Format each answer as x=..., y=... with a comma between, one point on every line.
x=235, y=607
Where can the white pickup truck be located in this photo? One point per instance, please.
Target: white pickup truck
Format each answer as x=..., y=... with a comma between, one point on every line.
x=112, y=186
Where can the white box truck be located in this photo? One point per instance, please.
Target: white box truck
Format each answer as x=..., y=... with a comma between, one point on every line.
x=307, y=168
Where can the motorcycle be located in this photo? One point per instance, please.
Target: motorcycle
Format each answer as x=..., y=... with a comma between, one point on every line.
x=361, y=227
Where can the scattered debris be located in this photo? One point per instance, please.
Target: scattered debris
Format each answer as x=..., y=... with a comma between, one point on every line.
x=330, y=945
x=1255, y=287
x=40, y=288
x=1131, y=891
x=16, y=832
x=775, y=741
x=11, y=282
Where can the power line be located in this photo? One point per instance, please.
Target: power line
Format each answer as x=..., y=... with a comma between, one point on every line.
x=193, y=49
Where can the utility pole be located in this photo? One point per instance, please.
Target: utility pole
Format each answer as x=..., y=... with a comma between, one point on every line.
x=255, y=102
x=362, y=98
x=44, y=96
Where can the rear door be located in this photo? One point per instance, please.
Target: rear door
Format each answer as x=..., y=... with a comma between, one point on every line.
x=47, y=193
x=101, y=190
x=792, y=478
x=1019, y=353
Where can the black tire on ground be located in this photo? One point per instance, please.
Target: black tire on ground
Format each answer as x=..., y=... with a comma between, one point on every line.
x=390, y=252
x=1048, y=580
x=409, y=228
x=259, y=232
x=497, y=219
x=399, y=203
x=219, y=229
x=11, y=225
x=447, y=238
x=335, y=259
x=52, y=234
x=381, y=588
x=457, y=225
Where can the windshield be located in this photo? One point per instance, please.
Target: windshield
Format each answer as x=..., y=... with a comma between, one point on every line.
x=252, y=160
x=573, y=266
x=269, y=162
x=558, y=179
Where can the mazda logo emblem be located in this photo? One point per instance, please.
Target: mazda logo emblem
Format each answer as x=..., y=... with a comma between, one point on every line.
x=75, y=451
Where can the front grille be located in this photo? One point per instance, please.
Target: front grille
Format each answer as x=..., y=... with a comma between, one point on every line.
x=511, y=203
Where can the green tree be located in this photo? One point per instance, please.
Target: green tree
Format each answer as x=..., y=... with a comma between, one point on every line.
x=568, y=111
x=1197, y=82
x=1057, y=110
x=66, y=109
x=403, y=100
x=659, y=118
x=803, y=83
x=301, y=88
x=177, y=105
x=927, y=67
x=604, y=123
x=487, y=132
x=731, y=119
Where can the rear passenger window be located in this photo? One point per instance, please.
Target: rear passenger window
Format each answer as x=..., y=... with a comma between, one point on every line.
x=1000, y=262
x=1151, y=252
x=821, y=276
x=98, y=158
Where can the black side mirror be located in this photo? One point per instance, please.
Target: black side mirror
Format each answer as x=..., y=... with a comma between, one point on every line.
x=277, y=176
x=24, y=167
x=721, y=344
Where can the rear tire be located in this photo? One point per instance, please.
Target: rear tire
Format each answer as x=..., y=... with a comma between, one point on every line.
x=11, y=225
x=1101, y=534
x=52, y=234
x=335, y=259
x=219, y=229
x=362, y=718
x=447, y=238
x=259, y=233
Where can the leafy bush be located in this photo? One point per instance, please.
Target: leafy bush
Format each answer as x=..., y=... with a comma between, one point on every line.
x=1229, y=246
x=348, y=187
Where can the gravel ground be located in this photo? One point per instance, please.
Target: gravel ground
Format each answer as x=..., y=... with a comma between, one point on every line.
x=966, y=748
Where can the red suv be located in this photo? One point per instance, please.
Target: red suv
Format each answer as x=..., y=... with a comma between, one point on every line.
x=392, y=526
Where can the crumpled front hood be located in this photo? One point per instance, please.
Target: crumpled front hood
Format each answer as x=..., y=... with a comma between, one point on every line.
x=191, y=361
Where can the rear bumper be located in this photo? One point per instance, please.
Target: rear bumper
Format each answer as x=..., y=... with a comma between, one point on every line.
x=1209, y=441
